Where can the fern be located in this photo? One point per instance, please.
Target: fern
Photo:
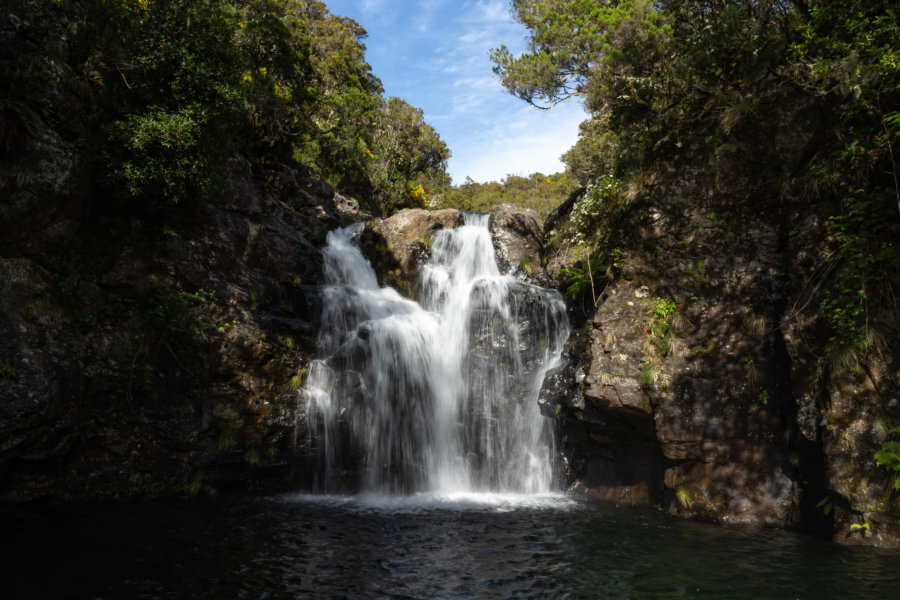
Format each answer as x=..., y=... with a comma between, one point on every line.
x=583, y=278
x=888, y=457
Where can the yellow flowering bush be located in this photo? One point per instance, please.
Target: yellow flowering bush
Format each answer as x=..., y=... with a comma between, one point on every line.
x=417, y=194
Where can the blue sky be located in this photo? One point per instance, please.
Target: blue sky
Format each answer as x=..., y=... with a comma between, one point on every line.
x=434, y=55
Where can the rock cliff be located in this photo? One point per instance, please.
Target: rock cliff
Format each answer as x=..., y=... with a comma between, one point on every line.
x=699, y=380
x=159, y=352
x=153, y=355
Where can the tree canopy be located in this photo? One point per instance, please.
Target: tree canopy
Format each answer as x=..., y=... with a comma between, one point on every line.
x=537, y=191
x=656, y=76
x=177, y=86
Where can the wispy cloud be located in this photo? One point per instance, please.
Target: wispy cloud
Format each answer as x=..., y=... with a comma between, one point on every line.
x=479, y=37
x=488, y=11
x=370, y=7
x=520, y=142
x=427, y=15
x=470, y=94
x=435, y=54
x=475, y=83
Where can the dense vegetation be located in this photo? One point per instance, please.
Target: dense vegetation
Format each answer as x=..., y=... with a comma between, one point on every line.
x=537, y=191
x=656, y=76
x=164, y=91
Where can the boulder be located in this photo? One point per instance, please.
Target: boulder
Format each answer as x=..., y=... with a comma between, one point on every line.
x=398, y=244
x=518, y=242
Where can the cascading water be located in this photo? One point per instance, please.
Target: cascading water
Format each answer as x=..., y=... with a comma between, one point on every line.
x=439, y=397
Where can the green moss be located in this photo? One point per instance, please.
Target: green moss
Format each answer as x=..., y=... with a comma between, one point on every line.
x=525, y=265
x=7, y=372
x=684, y=498
x=296, y=382
x=888, y=458
x=698, y=271
x=226, y=433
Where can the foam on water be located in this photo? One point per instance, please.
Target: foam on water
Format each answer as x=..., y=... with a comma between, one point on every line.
x=433, y=501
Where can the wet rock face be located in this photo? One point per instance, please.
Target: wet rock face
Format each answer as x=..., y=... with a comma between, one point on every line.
x=518, y=242
x=608, y=444
x=39, y=387
x=686, y=386
x=147, y=361
x=855, y=413
x=702, y=372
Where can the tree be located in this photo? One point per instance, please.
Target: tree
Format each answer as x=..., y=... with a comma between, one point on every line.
x=848, y=56
x=646, y=71
x=277, y=74
x=537, y=191
x=178, y=86
x=180, y=89
x=407, y=160
x=348, y=97
x=608, y=54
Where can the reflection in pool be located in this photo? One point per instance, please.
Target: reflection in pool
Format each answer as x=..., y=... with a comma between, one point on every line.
x=426, y=546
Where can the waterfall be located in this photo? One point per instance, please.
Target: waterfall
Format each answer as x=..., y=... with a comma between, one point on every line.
x=439, y=396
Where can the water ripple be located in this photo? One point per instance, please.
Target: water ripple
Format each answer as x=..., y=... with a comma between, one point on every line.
x=427, y=546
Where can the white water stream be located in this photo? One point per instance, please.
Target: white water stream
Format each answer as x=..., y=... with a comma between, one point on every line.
x=441, y=397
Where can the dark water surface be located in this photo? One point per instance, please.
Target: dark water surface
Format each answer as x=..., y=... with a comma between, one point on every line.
x=483, y=547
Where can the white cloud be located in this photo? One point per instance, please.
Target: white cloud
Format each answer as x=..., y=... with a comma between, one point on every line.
x=488, y=11
x=372, y=6
x=426, y=11
x=475, y=83
x=520, y=142
x=475, y=37
x=473, y=99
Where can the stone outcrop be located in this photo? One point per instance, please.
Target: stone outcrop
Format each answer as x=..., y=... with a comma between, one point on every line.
x=689, y=408
x=698, y=381
x=518, y=242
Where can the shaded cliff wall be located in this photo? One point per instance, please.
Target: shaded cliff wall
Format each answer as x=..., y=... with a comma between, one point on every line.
x=147, y=353
x=699, y=379
x=163, y=353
